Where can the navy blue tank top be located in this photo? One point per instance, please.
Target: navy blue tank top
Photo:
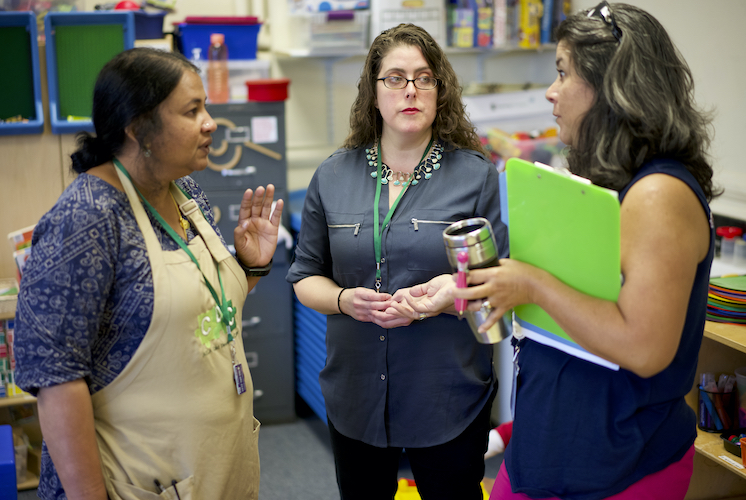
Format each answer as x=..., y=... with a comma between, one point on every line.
x=584, y=432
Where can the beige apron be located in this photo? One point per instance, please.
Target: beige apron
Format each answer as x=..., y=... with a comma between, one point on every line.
x=174, y=414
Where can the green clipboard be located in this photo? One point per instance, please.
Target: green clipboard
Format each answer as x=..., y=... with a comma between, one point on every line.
x=566, y=225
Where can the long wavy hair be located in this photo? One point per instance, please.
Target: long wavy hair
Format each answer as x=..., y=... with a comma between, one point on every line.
x=451, y=126
x=644, y=100
x=128, y=90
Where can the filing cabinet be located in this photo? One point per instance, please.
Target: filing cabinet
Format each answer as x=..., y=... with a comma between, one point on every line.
x=248, y=151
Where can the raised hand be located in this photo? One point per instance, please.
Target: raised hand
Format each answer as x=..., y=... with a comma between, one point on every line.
x=255, y=236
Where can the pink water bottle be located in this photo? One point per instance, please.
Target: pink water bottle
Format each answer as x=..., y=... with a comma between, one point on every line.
x=463, y=263
x=218, y=90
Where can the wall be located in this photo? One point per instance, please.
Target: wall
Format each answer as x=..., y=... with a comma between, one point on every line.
x=708, y=36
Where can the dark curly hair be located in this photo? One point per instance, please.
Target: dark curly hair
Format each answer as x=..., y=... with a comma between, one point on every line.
x=644, y=100
x=451, y=126
x=128, y=90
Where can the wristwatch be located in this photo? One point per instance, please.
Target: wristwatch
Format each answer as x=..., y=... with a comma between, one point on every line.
x=255, y=271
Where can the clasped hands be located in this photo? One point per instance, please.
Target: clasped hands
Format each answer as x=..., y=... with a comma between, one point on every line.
x=505, y=286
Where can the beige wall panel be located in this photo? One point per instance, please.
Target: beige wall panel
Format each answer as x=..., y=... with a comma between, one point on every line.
x=32, y=182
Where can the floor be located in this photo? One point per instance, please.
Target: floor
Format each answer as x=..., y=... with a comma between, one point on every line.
x=297, y=462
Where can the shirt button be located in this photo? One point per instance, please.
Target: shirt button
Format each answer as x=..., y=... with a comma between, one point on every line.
x=383, y=260
x=383, y=377
x=382, y=338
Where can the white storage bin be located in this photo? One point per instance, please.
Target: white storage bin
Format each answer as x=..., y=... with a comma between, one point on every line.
x=428, y=14
x=326, y=5
x=329, y=31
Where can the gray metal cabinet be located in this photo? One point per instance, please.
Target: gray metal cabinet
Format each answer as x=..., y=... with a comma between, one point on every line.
x=248, y=151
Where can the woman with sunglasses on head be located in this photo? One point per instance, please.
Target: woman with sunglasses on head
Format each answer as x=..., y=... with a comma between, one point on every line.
x=372, y=226
x=623, y=99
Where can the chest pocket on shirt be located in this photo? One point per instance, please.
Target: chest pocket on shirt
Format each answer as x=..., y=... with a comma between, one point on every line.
x=344, y=241
x=428, y=251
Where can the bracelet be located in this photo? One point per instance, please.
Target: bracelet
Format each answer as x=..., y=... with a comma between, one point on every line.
x=339, y=297
x=255, y=271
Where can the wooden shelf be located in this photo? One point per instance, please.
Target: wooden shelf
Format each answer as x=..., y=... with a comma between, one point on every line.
x=17, y=400
x=8, y=302
x=733, y=336
x=8, y=309
x=30, y=483
x=711, y=445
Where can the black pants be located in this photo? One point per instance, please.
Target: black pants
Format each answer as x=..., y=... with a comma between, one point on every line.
x=450, y=471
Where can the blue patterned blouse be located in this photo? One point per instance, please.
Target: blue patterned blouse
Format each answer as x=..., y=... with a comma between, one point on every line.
x=86, y=296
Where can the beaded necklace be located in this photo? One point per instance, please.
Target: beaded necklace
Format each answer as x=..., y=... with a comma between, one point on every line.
x=424, y=170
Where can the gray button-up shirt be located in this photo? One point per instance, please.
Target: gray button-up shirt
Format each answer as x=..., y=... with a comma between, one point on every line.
x=414, y=386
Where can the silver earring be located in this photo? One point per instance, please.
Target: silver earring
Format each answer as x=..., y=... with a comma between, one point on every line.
x=147, y=153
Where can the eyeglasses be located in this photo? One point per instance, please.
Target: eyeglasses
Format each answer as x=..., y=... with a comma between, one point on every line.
x=603, y=11
x=398, y=82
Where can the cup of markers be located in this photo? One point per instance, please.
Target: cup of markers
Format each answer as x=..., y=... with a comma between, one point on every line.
x=718, y=404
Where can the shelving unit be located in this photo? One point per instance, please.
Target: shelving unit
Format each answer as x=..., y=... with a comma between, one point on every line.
x=723, y=350
x=7, y=311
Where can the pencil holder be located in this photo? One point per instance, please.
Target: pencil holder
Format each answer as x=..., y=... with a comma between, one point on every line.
x=717, y=411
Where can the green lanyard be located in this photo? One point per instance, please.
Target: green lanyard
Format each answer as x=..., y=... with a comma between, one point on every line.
x=224, y=308
x=377, y=234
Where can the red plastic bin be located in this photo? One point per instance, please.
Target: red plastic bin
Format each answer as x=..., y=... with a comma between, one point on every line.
x=267, y=90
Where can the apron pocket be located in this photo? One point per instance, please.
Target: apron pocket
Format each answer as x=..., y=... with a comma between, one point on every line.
x=125, y=491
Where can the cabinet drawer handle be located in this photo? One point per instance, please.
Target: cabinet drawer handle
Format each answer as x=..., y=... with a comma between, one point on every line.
x=251, y=322
x=237, y=134
x=252, y=359
x=236, y=172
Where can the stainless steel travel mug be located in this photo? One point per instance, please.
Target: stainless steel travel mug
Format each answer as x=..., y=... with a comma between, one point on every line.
x=476, y=238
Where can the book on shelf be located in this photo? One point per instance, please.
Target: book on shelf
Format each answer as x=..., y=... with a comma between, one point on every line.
x=21, y=238
x=21, y=241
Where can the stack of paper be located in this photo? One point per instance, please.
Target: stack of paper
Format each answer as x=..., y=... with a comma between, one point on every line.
x=726, y=300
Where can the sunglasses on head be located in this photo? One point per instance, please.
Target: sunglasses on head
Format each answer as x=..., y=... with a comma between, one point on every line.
x=603, y=11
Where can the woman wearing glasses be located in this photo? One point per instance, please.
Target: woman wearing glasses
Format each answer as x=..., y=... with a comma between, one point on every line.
x=623, y=100
x=372, y=225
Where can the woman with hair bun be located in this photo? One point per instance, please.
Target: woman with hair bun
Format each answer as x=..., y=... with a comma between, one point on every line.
x=129, y=312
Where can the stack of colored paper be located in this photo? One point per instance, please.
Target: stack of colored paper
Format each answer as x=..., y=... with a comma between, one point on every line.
x=726, y=300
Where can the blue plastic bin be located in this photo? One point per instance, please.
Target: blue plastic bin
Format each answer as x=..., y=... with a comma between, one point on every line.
x=34, y=125
x=85, y=61
x=240, y=39
x=149, y=25
x=8, y=485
